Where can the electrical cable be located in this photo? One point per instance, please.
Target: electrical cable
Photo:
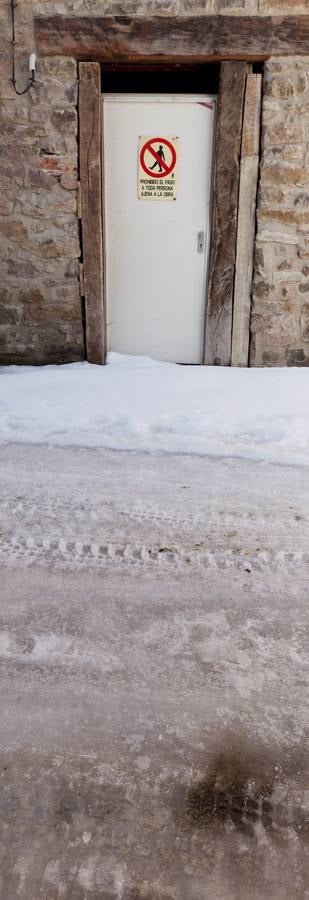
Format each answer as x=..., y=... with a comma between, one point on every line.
x=32, y=58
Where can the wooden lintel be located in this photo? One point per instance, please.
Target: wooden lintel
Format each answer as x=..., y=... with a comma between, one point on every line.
x=179, y=38
x=91, y=207
x=219, y=312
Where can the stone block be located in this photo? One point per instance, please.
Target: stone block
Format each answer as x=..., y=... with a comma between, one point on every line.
x=44, y=347
x=58, y=68
x=24, y=151
x=6, y=203
x=9, y=315
x=4, y=295
x=237, y=7
x=60, y=224
x=201, y=7
x=40, y=179
x=24, y=133
x=273, y=357
x=53, y=145
x=280, y=88
x=303, y=230
x=259, y=263
x=32, y=298
x=283, y=6
x=6, y=88
x=221, y=7
x=283, y=216
x=60, y=307
x=39, y=114
x=68, y=181
x=269, y=196
x=16, y=111
x=140, y=7
x=302, y=200
x=285, y=263
x=5, y=20
x=303, y=249
x=284, y=174
x=21, y=267
x=64, y=120
x=287, y=295
x=296, y=357
x=11, y=174
x=286, y=153
x=43, y=204
x=271, y=234
x=262, y=289
x=71, y=269
x=15, y=229
x=53, y=248
x=53, y=7
x=49, y=93
x=304, y=322
x=57, y=165
x=287, y=275
x=264, y=261
x=37, y=227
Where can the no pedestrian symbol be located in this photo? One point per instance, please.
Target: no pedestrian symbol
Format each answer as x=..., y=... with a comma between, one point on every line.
x=157, y=167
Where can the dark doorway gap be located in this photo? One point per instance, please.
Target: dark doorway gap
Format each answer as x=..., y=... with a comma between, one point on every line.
x=168, y=78
x=258, y=68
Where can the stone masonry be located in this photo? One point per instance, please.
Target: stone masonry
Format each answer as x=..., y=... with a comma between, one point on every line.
x=41, y=319
x=280, y=309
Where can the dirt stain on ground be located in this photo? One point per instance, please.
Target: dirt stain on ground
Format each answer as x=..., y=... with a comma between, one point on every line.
x=232, y=790
x=97, y=801
x=245, y=785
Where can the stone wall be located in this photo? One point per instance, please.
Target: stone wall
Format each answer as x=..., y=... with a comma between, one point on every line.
x=40, y=306
x=280, y=310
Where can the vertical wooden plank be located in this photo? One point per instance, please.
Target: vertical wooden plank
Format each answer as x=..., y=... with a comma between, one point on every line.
x=91, y=207
x=218, y=337
x=249, y=168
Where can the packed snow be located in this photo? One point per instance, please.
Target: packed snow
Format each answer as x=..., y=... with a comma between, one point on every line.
x=135, y=403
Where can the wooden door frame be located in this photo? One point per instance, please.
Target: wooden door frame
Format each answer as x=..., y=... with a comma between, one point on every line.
x=218, y=315
x=218, y=308
x=91, y=210
x=154, y=41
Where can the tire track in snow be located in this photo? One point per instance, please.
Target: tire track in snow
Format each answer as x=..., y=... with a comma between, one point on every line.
x=20, y=549
x=21, y=507
x=217, y=526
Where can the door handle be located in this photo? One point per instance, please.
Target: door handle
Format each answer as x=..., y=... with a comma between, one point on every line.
x=200, y=241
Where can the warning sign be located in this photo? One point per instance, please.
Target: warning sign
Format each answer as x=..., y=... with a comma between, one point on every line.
x=157, y=168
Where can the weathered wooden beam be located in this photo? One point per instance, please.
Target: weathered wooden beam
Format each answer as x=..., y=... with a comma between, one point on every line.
x=178, y=37
x=219, y=312
x=249, y=168
x=91, y=207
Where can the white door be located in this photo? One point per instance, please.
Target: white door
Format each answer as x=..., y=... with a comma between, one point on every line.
x=157, y=241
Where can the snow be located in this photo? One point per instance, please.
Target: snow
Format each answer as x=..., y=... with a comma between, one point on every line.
x=135, y=403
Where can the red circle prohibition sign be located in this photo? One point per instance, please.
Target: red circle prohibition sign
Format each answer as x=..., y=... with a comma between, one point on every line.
x=149, y=146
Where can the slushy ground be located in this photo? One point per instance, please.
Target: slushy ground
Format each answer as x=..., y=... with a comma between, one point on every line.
x=154, y=677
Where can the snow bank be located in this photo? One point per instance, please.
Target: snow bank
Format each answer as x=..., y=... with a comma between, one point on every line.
x=138, y=404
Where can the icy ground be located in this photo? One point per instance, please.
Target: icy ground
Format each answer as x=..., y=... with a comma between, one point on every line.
x=154, y=663
x=139, y=404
